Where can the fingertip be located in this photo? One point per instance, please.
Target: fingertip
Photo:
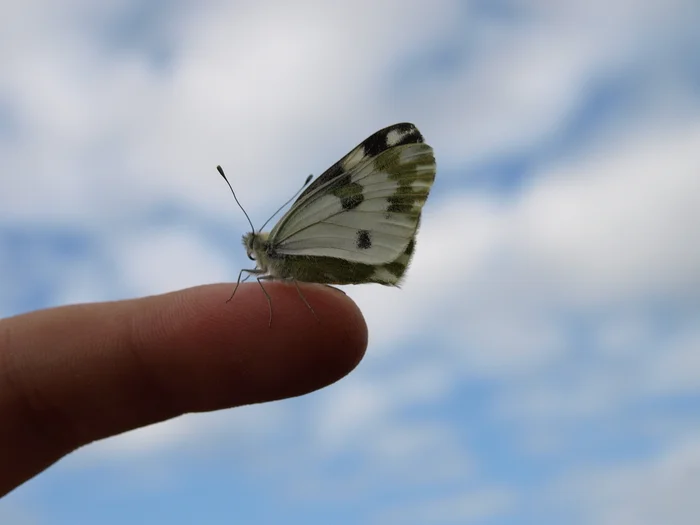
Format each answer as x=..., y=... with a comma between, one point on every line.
x=254, y=360
x=316, y=347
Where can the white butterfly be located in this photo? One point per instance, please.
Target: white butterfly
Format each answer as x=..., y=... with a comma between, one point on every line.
x=356, y=223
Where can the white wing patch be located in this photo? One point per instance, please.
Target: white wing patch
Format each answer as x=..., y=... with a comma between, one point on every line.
x=354, y=158
x=395, y=136
x=349, y=243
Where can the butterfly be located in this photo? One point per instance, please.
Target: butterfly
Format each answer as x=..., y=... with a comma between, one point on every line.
x=356, y=223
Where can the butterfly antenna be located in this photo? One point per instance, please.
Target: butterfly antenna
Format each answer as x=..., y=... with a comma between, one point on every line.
x=306, y=182
x=221, y=172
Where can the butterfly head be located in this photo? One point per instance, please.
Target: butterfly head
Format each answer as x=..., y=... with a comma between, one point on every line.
x=255, y=244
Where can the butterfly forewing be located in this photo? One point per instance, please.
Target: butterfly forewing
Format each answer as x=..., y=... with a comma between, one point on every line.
x=366, y=207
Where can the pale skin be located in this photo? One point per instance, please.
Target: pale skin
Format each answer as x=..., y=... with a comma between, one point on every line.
x=76, y=374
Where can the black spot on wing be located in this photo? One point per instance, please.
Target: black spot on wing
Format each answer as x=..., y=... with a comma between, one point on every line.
x=402, y=200
x=399, y=204
x=364, y=240
x=350, y=194
x=375, y=144
x=352, y=202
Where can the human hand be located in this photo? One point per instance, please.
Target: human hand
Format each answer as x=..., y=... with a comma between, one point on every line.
x=75, y=374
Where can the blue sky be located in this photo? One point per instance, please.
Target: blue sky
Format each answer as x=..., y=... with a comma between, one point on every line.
x=542, y=362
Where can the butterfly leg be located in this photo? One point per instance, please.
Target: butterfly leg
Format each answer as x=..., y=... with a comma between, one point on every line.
x=305, y=301
x=238, y=281
x=260, y=279
x=235, y=289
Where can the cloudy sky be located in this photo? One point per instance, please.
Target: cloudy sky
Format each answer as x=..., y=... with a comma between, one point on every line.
x=541, y=364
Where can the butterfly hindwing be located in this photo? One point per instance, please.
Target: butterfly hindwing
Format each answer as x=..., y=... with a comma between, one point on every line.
x=333, y=270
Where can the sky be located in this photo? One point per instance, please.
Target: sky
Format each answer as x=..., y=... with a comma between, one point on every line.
x=541, y=364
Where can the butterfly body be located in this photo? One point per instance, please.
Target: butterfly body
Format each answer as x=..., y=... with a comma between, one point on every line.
x=357, y=222
x=320, y=269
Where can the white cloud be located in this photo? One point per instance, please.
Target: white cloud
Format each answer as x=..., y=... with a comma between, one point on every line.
x=662, y=489
x=365, y=414
x=619, y=226
x=158, y=260
x=523, y=78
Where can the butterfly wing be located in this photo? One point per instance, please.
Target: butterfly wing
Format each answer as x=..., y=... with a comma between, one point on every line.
x=366, y=208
